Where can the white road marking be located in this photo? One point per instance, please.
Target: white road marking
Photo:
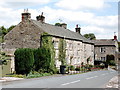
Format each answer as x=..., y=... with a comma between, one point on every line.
x=92, y=77
x=71, y=82
x=89, y=78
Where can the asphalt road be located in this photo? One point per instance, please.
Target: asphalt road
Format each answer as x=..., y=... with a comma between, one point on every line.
x=95, y=79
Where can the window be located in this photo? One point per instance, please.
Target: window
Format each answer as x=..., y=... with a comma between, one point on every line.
x=102, y=49
x=55, y=44
x=102, y=58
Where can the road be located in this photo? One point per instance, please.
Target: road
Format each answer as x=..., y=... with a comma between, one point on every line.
x=95, y=79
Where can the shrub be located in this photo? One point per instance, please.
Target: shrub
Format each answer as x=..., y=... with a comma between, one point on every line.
x=112, y=62
x=77, y=68
x=42, y=58
x=24, y=60
x=72, y=67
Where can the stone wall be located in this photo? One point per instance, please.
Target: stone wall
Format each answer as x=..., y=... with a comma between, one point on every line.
x=76, y=52
x=24, y=35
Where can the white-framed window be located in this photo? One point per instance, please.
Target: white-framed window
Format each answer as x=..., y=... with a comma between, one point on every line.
x=102, y=49
x=55, y=44
x=102, y=58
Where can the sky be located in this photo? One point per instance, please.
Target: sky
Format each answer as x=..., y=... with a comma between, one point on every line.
x=93, y=16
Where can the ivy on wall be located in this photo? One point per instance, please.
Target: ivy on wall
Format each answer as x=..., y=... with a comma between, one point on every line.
x=47, y=43
x=62, y=51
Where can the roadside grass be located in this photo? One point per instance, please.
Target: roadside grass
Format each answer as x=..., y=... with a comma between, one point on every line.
x=37, y=74
x=16, y=75
x=30, y=75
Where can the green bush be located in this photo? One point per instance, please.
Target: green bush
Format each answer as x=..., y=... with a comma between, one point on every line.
x=42, y=58
x=24, y=60
x=72, y=67
x=77, y=68
x=112, y=63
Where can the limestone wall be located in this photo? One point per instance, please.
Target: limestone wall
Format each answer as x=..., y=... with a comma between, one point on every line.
x=76, y=52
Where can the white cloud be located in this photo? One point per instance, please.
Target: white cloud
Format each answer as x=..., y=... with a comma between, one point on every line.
x=37, y=1
x=22, y=3
x=100, y=32
x=80, y=4
x=67, y=15
x=102, y=26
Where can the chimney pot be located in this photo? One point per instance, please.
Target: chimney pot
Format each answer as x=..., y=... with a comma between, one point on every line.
x=77, y=29
x=115, y=37
x=26, y=15
x=41, y=18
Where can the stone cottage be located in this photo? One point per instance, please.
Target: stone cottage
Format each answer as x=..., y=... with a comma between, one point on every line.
x=105, y=48
x=27, y=34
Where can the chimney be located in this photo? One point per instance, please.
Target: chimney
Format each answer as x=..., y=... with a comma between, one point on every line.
x=41, y=18
x=64, y=25
x=115, y=37
x=26, y=15
x=77, y=29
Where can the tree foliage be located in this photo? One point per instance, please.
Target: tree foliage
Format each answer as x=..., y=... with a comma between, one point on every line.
x=4, y=31
x=42, y=58
x=90, y=36
x=57, y=24
x=47, y=44
x=62, y=51
x=24, y=60
x=110, y=59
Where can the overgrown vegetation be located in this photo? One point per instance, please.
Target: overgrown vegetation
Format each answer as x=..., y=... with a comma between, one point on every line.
x=40, y=60
x=47, y=43
x=62, y=51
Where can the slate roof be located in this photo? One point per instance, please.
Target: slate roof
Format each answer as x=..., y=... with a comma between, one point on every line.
x=108, y=42
x=61, y=32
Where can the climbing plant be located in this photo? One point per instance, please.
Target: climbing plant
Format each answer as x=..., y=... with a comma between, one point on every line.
x=62, y=51
x=47, y=43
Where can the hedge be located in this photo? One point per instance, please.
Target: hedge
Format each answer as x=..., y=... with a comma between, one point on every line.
x=24, y=60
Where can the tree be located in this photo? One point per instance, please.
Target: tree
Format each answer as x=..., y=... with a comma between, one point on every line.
x=4, y=31
x=42, y=58
x=57, y=24
x=90, y=36
x=10, y=28
x=110, y=59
